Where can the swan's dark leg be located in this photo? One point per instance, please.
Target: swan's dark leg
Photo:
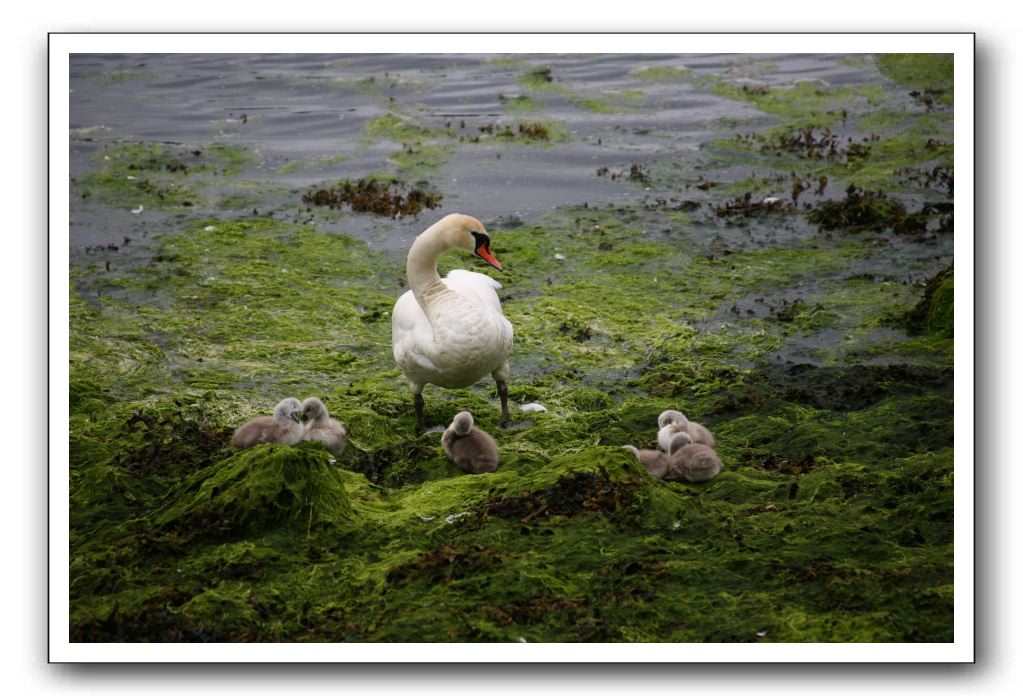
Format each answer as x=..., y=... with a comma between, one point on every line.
x=501, y=376
x=502, y=391
x=417, y=399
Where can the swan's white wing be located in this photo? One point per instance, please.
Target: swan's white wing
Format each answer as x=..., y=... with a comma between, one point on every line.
x=483, y=286
x=470, y=336
x=410, y=334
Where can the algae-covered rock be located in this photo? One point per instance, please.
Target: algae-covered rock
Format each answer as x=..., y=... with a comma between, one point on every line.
x=85, y=396
x=597, y=479
x=934, y=315
x=263, y=487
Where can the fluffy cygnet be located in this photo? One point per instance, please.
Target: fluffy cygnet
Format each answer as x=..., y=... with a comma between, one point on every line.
x=471, y=449
x=671, y=422
x=322, y=428
x=692, y=461
x=655, y=461
x=284, y=427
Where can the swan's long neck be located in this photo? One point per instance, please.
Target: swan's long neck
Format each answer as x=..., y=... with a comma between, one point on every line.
x=421, y=267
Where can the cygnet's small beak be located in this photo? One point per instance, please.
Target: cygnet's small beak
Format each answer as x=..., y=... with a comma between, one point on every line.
x=295, y=416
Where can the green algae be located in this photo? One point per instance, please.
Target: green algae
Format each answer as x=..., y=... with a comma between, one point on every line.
x=426, y=149
x=421, y=159
x=277, y=544
x=520, y=104
x=663, y=73
x=802, y=104
x=317, y=163
x=540, y=80
x=869, y=161
x=931, y=72
x=934, y=314
x=365, y=86
x=400, y=128
x=269, y=486
x=505, y=61
x=893, y=161
x=527, y=132
x=159, y=175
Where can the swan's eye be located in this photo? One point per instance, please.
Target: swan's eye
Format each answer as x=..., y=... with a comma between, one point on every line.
x=482, y=240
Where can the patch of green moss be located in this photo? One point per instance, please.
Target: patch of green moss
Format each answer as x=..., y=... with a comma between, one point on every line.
x=400, y=128
x=541, y=80
x=505, y=61
x=158, y=175
x=662, y=73
x=239, y=201
x=934, y=314
x=802, y=104
x=366, y=86
x=317, y=163
x=277, y=544
x=416, y=162
x=941, y=317
x=266, y=486
x=927, y=71
x=527, y=132
x=520, y=104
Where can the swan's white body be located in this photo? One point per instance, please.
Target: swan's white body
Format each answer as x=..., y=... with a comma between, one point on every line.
x=451, y=332
x=464, y=338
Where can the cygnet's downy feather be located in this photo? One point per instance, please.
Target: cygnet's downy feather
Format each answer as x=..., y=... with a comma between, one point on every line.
x=283, y=428
x=320, y=427
x=691, y=461
x=471, y=449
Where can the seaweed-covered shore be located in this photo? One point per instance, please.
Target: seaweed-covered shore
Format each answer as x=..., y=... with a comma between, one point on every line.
x=793, y=292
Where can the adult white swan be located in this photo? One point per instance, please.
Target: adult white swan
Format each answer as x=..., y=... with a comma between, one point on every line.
x=451, y=332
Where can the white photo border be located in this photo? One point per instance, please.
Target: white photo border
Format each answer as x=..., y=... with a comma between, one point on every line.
x=62, y=45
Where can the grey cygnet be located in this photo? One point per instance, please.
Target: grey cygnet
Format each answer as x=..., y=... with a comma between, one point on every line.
x=283, y=428
x=471, y=449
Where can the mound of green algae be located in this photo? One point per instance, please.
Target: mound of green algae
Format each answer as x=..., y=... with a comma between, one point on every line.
x=832, y=520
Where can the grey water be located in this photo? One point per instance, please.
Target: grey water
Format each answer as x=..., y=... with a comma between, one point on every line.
x=314, y=107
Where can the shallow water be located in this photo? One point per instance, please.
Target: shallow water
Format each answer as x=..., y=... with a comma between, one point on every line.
x=303, y=107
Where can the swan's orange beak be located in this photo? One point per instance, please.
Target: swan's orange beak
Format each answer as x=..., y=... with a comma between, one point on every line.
x=483, y=251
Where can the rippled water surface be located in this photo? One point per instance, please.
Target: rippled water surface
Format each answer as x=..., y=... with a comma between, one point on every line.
x=309, y=107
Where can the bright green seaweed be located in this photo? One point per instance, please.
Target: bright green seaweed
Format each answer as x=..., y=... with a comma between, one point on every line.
x=802, y=510
x=832, y=520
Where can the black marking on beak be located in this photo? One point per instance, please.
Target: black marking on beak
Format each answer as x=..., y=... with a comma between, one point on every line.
x=482, y=240
x=482, y=249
